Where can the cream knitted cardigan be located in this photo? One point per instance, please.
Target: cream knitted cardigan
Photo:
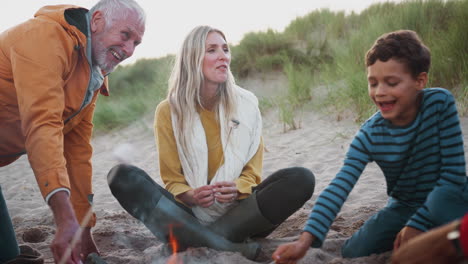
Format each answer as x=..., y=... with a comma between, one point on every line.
x=240, y=139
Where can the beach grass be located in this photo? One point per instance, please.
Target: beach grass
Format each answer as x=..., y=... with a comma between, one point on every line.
x=134, y=91
x=321, y=49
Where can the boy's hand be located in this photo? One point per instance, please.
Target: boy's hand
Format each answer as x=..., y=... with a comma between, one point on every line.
x=292, y=252
x=405, y=235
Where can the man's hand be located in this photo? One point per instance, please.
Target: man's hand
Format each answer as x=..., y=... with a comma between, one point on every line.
x=292, y=252
x=225, y=192
x=67, y=226
x=405, y=235
x=431, y=247
x=88, y=245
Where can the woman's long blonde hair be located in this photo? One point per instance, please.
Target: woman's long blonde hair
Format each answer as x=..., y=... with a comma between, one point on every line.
x=187, y=80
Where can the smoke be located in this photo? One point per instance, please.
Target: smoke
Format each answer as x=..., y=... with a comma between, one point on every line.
x=124, y=153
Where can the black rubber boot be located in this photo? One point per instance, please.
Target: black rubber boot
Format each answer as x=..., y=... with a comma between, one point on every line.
x=189, y=232
x=8, y=245
x=143, y=199
x=94, y=258
x=28, y=255
x=243, y=221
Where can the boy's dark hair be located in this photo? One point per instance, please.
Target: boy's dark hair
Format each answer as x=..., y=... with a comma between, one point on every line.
x=404, y=46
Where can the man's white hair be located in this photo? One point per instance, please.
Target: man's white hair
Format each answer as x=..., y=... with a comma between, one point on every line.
x=118, y=9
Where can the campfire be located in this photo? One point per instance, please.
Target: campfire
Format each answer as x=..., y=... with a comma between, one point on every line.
x=174, y=245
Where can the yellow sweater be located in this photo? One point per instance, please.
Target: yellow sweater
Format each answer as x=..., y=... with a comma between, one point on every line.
x=170, y=168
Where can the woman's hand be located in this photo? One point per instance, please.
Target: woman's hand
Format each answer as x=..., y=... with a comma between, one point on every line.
x=225, y=192
x=201, y=196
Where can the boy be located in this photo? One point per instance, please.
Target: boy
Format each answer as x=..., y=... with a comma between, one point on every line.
x=415, y=139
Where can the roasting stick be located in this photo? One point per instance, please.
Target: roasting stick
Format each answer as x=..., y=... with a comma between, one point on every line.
x=77, y=236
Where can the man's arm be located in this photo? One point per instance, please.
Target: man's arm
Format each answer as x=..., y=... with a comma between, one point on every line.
x=78, y=152
x=431, y=247
x=67, y=226
x=41, y=102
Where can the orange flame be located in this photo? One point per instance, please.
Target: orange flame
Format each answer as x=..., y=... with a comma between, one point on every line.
x=175, y=246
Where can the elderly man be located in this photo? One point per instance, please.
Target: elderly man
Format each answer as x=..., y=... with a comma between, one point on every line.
x=52, y=68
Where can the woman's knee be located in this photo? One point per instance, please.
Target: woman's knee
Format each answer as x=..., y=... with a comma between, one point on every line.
x=301, y=180
x=127, y=175
x=126, y=179
x=119, y=174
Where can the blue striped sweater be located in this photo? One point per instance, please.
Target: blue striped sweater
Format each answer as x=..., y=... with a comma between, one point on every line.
x=414, y=159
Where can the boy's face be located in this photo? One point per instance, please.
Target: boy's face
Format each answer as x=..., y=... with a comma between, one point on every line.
x=395, y=91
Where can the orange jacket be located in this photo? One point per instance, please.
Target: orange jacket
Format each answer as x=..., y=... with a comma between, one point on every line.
x=44, y=75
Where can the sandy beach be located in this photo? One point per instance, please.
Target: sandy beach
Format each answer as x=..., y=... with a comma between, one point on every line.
x=320, y=145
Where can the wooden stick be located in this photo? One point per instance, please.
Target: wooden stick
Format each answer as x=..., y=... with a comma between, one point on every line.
x=77, y=236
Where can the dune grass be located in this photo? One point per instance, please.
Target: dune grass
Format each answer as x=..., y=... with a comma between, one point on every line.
x=321, y=49
x=134, y=91
x=332, y=45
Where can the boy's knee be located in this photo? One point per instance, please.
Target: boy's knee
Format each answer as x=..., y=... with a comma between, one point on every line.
x=351, y=250
x=348, y=251
x=446, y=203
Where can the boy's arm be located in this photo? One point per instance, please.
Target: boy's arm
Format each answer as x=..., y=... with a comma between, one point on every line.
x=332, y=198
x=453, y=169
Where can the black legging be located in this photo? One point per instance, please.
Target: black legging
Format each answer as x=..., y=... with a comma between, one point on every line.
x=284, y=192
x=278, y=196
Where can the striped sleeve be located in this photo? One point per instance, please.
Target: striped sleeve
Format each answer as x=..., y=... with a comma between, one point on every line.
x=332, y=198
x=453, y=170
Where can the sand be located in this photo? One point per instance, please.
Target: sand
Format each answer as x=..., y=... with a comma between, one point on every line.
x=320, y=145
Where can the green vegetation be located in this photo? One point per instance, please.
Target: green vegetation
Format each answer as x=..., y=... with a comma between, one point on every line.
x=135, y=90
x=299, y=93
x=332, y=45
x=320, y=53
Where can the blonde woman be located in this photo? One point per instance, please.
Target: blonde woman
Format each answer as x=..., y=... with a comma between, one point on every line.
x=208, y=134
